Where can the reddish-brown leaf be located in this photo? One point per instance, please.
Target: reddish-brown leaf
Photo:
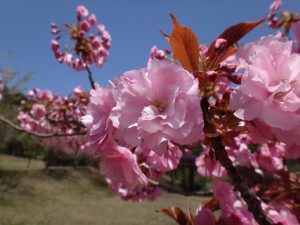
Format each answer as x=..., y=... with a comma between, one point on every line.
x=177, y=214
x=234, y=34
x=185, y=46
x=212, y=204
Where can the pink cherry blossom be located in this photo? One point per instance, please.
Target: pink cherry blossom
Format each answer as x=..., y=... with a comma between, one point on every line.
x=82, y=11
x=208, y=166
x=85, y=26
x=120, y=166
x=271, y=158
x=38, y=111
x=97, y=118
x=269, y=89
x=279, y=214
x=205, y=216
x=166, y=162
x=159, y=104
x=92, y=42
x=157, y=53
x=46, y=113
x=234, y=211
x=92, y=20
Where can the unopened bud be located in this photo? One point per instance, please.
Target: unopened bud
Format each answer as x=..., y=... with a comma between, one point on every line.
x=229, y=68
x=53, y=25
x=211, y=76
x=167, y=51
x=236, y=79
x=220, y=43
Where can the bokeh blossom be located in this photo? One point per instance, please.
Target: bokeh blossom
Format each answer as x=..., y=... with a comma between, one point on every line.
x=91, y=41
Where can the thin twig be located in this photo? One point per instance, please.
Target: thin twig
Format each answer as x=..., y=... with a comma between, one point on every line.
x=40, y=135
x=92, y=82
x=173, y=189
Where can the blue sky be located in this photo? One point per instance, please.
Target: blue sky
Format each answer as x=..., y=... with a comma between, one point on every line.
x=133, y=24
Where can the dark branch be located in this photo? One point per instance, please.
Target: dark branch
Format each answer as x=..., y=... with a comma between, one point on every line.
x=173, y=189
x=254, y=204
x=90, y=77
x=40, y=135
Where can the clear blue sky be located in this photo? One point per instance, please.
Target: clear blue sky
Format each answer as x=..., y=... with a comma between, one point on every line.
x=133, y=24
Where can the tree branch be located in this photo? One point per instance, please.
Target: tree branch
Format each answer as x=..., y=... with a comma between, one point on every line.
x=254, y=204
x=92, y=82
x=173, y=189
x=40, y=135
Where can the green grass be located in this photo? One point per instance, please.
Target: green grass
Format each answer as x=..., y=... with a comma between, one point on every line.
x=63, y=196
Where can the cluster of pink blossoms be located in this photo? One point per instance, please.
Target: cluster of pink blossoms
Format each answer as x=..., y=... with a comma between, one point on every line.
x=234, y=209
x=270, y=89
x=158, y=53
x=48, y=114
x=139, y=126
x=88, y=48
x=136, y=124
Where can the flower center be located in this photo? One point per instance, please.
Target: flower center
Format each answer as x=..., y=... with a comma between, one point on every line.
x=284, y=88
x=159, y=104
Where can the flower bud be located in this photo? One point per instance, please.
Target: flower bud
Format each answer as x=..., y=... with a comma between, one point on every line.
x=211, y=76
x=220, y=43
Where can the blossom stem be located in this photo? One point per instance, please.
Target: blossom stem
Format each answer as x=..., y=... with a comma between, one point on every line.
x=92, y=82
x=254, y=204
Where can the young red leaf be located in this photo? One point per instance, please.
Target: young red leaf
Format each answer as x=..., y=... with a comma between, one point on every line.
x=233, y=34
x=185, y=46
x=177, y=214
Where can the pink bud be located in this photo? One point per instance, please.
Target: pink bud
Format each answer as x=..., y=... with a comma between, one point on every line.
x=275, y=6
x=53, y=25
x=211, y=76
x=91, y=36
x=82, y=11
x=54, y=31
x=85, y=26
x=229, y=68
x=81, y=33
x=101, y=29
x=78, y=90
x=220, y=43
x=96, y=43
x=236, y=79
x=36, y=90
x=167, y=51
x=54, y=45
x=30, y=94
x=92, y=20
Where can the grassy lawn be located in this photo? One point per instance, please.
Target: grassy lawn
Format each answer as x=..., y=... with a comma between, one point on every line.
x=63, y=196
